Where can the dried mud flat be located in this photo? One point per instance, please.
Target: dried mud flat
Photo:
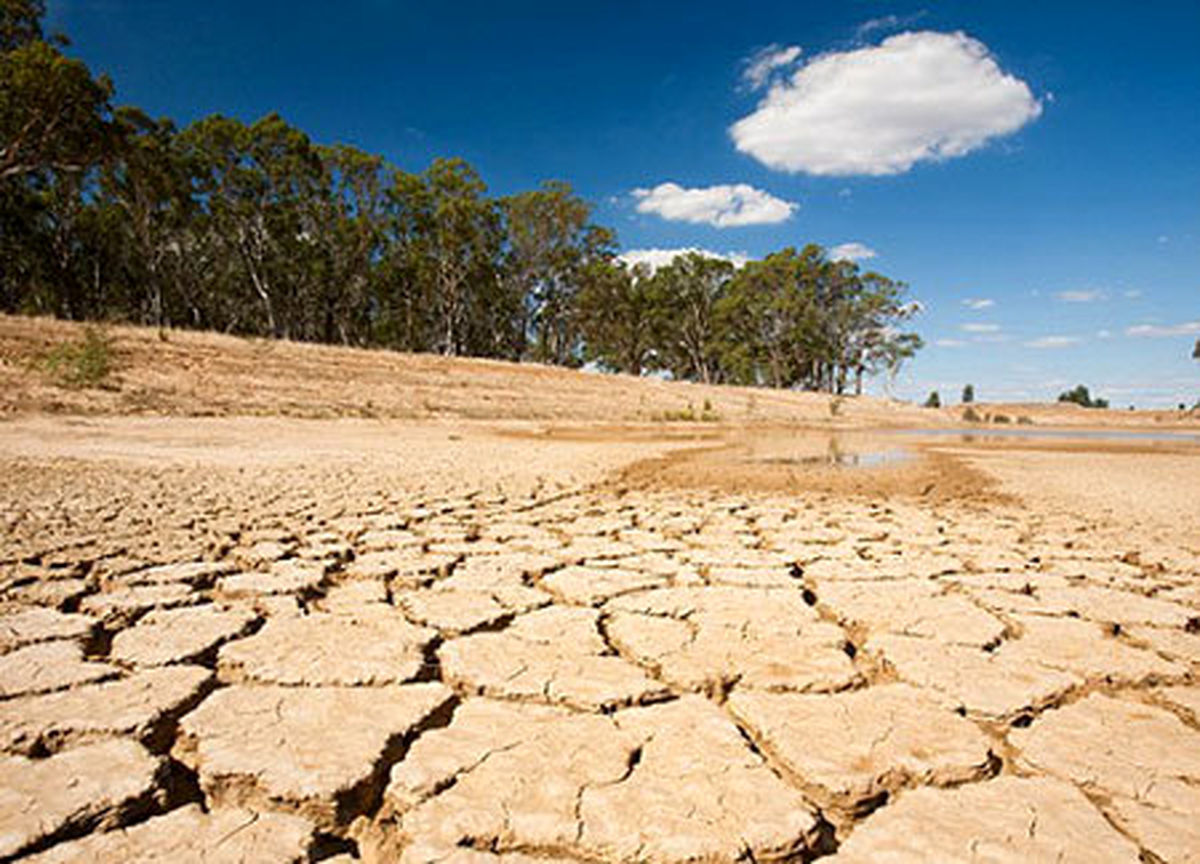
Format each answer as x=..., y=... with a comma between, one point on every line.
x=271, y=640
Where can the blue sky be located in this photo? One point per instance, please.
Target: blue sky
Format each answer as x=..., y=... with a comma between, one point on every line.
x=1041, y=156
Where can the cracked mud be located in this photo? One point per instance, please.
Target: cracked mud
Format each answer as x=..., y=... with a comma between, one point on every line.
x=499, y=652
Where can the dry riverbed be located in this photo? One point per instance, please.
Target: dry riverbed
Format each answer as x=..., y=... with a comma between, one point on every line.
x=270, y=640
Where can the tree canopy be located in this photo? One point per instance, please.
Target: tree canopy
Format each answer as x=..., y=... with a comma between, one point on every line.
x=253, y=228
x=1079, y=395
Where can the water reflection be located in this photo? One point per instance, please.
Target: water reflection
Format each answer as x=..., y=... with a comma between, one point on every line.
x=823, y=451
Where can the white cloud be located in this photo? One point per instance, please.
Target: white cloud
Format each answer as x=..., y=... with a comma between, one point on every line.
x=1079, y=296
x=1133, y=293
x=888, y=22
x=763, y=64
x=879, y=110
x=851, y=252
x=727, y=206
x=950, y=343
x=979, y=303
x=980, y=328
x=1155, y=331
x=1054, y=342
x=1104, y=334
x=655, y=258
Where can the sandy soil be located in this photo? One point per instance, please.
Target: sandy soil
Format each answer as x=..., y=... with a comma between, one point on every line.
x=559, y=636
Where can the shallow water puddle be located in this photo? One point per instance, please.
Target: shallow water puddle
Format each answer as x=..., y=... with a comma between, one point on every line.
x=972, y=434
x=824, y=451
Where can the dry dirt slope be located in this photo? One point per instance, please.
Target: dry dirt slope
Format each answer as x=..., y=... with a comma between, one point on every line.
x=189, y=373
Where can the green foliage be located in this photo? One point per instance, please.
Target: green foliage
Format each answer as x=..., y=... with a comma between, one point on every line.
x=1001, y=419
x=934, y=400
x=1196, y=351
x=84, y=363
x=686, y=293
x=20, y=22
x=1080, y=396
x=52, y=111
x=970, y=415
x=254, y=229
x=620, y=317
x=968, y=394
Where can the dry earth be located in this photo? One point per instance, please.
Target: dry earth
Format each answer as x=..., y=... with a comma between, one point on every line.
x=474, y=637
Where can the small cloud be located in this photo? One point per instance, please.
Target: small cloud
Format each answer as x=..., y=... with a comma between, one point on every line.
x=851, y=252
x=1155, y=331
x=979, y=303
x=1104, y=334
x=888, y=22
x=1054, y=342
x=845, y=192
x=763, y=65
x=1079, y=296
x=655, y=258
x=726, y=206
x=1163, y=239
x=950, y=343
x=980, y=328
x=1132, y=294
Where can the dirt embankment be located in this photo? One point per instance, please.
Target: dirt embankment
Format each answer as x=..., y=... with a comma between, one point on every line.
x=185, y=373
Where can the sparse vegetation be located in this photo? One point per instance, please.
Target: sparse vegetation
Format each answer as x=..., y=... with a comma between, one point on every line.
x=1024, y=420
x=1001, y=419
x=690, y=415
x=86, y=362
x=968, y=394
x=970, y=415
x=934, y=400
x=1080, y=396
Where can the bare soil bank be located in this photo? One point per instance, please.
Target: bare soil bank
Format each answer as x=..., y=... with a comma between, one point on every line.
x=186, y=373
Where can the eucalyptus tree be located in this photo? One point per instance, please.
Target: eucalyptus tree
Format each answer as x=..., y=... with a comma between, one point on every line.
x=687, y=291
x=620, y=316
x=145, y=198
x=252, y=183
x=874, y=342
x=549, y=243
x=768, y=320
x=457, y=254
x=53, y=112
x=345, y=223
x=54, y=130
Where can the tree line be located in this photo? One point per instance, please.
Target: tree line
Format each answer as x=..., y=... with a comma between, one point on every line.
x=252, y=228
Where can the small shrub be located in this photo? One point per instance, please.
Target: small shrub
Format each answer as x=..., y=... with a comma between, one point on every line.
x=689, y=414
x=86, y=362
x=1024, y=420
x=934, y=400
x=970, y=415
x=1080, y=396
x=1001, y=418
x=835, y=406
